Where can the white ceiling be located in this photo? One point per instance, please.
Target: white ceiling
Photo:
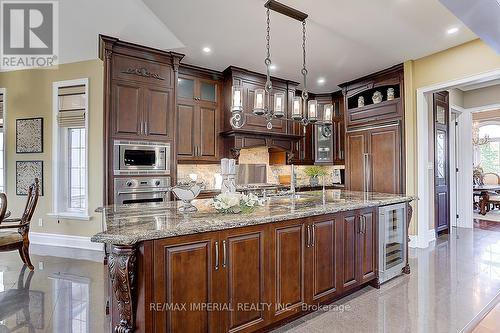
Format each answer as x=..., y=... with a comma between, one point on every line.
x=80, y=22
x=346, y=39
x=481, y=16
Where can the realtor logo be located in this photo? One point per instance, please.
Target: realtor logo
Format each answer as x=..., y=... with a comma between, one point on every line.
x=29, y=35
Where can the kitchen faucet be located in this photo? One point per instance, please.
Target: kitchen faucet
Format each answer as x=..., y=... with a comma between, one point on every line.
x=292, y=180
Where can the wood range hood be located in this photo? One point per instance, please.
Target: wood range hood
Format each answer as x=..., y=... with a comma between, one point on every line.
x=282, y=144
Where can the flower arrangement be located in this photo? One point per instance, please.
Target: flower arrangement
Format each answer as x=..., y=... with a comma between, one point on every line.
x=234, y=203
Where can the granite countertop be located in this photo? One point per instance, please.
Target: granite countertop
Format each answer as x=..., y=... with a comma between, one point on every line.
x=130, y=224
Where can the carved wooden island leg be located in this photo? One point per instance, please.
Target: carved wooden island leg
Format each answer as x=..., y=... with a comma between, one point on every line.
x=406, y=269
x=121, y=263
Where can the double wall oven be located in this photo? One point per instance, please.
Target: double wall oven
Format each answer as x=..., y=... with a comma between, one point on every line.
x=142, y=171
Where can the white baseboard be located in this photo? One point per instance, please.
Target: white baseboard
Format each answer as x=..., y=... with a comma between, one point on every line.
x=77, y=242
x=422, y=242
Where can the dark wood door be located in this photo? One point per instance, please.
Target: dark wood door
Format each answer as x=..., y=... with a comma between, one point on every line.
x=287, y=268
x=127, y=108
x=186, y=273
x=384, y=159
x=322, y=258
x=208, y=148
x=367, y=245
x=441, y=161
x=350, y=252
x=355, y=163
x=198, y=119
x=186, y=120
x=244, y=268
x=158, y=113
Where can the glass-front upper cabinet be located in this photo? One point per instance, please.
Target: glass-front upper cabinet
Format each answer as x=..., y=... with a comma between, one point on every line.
x=323, y=147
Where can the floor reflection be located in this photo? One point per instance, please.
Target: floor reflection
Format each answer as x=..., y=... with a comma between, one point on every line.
x=61, y=295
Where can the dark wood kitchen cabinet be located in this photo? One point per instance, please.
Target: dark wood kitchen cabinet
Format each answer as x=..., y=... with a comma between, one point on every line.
x=184, y=274
x=199, y=97
x=139, y=100
x=249, y=278
x=375, y=132
x=359, y=248
x=323, y=256
x=141, y=107
x=226, y=268
x=374, y=161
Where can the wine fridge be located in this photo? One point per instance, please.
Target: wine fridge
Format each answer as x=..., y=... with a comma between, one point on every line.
x=392, y=241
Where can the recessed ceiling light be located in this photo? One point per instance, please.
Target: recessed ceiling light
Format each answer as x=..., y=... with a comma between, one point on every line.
x=272, y=67
x=206, y=49
x=451, y=31
x=321, y=80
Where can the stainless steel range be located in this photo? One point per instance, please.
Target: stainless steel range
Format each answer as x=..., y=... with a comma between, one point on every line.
x=138, y=190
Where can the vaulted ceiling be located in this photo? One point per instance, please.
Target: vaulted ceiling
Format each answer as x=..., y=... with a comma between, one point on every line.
x=346, y=38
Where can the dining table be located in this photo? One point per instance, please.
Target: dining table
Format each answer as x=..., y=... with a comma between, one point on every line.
x=484, y=191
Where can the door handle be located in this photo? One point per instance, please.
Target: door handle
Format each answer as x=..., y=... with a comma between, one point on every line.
x=199, y=150
x=145, y=128
x=365, y=172
x=216, y=256
x=140, y=128
x=313, y=241
x=308, y=244
x=224, y=254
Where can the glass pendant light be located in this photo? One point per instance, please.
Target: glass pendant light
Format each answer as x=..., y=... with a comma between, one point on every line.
x=258, y=102
x=312, y=111
x=279, y=105
x=297, y=108
x=237, y=99
x=328, y=114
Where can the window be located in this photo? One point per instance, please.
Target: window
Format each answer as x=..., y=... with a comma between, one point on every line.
x=489, y=153
x=70, y=157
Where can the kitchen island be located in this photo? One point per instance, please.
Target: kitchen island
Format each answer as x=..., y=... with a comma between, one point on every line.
x=210, y=272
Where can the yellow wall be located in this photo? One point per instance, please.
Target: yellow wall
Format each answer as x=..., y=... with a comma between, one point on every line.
x=29, y=94
x=459, y=62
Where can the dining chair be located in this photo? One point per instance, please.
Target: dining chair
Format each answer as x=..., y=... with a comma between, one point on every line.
x=18, y=240
x=491, y=178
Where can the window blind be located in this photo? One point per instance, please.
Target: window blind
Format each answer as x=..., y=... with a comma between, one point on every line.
x=72, y=106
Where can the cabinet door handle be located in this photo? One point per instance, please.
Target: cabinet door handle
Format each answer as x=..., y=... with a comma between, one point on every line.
x=308, y=244
x=199, y=150
x=313, y=240
x=216, y=256
x=224, y=254
x=140, y=128
x=145, y=128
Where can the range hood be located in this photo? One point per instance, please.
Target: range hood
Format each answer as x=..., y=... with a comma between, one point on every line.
x=235, y=140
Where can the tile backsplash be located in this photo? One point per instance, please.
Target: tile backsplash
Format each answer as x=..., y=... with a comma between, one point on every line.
x=259, y=155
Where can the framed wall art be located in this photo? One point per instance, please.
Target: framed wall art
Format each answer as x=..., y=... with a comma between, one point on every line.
x=26, y=172
x=29, y=135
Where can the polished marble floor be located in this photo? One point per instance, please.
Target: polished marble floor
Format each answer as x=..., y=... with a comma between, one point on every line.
x=451, y=284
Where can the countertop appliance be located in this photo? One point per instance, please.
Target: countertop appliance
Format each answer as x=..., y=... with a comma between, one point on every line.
x=139, y=190
x=141, y=158
x=393, y=236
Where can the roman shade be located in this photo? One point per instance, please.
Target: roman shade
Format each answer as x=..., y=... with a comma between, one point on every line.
x=72, y=106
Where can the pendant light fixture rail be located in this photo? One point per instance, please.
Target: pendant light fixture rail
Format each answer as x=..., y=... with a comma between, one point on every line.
x=286, y=10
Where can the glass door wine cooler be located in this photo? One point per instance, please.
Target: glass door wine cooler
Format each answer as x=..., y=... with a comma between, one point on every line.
x=392, y=241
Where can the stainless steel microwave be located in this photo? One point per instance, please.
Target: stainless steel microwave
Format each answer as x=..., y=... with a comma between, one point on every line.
x=141, y=158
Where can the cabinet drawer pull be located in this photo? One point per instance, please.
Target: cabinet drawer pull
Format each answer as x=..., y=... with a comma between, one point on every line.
x=216, y=256
x=308, y=244
x=224, y=254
